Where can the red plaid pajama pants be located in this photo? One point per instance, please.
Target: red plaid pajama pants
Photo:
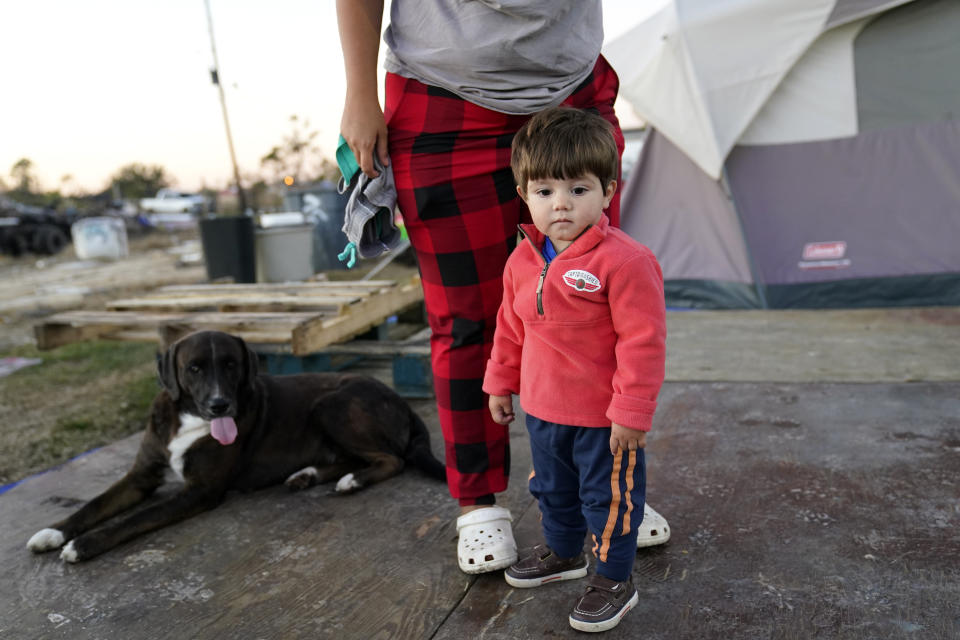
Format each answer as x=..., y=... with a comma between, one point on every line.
x=451, y=164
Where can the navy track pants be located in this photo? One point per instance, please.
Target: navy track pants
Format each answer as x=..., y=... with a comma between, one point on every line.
x=582, y=487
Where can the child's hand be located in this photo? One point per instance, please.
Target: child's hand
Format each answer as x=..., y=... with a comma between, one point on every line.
x=624, y=438
x=501, y=408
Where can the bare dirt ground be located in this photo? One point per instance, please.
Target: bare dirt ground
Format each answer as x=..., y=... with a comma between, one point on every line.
x=82, y=396
x=16, y=325
x=90, y=394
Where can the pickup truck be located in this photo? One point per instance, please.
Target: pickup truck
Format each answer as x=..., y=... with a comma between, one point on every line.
x=171, y=201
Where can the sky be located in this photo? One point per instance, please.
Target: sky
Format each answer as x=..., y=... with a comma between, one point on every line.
x=91, y=86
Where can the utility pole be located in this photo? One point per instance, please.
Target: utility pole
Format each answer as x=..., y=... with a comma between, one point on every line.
x=215, y=76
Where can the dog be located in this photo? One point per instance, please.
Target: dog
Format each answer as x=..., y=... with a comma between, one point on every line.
x=220, y=425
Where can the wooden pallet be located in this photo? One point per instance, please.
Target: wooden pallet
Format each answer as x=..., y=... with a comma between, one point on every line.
x=409, y=361
x=295, y=318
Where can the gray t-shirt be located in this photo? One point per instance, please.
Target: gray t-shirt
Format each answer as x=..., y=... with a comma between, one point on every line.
x=512, y=56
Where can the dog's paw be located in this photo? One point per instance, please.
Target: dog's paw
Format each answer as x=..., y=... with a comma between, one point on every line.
x=303, y=479
x=46, y=540
x=348, y=484
x=70, y=553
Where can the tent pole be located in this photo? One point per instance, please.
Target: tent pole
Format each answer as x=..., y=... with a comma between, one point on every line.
x=758, y=286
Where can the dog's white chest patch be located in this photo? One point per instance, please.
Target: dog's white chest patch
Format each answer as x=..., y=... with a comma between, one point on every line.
x=192, y=428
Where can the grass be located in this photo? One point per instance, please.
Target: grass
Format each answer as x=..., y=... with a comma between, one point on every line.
x=82, y=396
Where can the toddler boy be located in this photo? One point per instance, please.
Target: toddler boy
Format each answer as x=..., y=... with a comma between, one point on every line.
x=580, y=337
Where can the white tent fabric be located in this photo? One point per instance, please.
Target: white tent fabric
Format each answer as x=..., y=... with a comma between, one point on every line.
x=700, y=70
x=817, y=100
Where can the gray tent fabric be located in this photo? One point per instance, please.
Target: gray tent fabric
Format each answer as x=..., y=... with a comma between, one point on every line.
x=669, y=203
x=845, y=11
x=889, y=197
x=867, y=218
x=699, y=232
x=900, y=79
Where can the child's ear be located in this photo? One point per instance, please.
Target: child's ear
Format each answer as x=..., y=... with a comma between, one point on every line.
x=608, y=194
x=521, y=193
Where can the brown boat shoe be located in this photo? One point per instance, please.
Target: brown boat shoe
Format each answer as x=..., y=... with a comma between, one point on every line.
x=603, y=605
x=541, y=565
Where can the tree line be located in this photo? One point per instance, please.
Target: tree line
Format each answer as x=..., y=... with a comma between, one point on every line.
x=296, y=160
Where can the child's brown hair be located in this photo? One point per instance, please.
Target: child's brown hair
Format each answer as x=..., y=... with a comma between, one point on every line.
x=563, y=143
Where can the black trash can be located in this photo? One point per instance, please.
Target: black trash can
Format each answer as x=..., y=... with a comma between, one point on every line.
x=228, y=248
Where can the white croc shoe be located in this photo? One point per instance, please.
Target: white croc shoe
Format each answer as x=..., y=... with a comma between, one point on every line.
x=654, y=529
x=486, y=540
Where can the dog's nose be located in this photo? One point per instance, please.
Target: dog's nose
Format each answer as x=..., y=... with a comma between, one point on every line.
x=218, y=406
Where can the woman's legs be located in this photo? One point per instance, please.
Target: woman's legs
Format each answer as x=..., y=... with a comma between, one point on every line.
x=451, y=164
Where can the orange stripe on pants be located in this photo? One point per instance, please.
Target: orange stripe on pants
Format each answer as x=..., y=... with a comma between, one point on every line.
x=614, y=513
x=631, y=464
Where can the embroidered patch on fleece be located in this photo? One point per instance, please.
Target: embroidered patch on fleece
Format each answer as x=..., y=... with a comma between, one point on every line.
x=582, y=280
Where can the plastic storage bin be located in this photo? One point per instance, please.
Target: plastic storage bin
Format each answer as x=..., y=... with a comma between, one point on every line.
x=99, y=238
x=284, y=253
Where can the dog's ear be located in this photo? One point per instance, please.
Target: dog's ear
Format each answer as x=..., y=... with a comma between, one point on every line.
x=167, y=371
x=251, y=364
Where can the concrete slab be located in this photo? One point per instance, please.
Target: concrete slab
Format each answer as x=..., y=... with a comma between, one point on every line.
x=797, y=511
x=833, y=345
x=799, y=508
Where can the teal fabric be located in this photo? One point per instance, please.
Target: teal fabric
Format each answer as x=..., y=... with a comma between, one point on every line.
x=346, y=161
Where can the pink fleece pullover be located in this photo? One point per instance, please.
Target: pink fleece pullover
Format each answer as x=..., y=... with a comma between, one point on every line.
x=581, y=339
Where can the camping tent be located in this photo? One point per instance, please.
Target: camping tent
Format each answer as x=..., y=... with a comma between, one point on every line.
x=802, y=153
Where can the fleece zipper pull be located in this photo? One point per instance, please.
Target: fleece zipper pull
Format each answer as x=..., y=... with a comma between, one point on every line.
x=543, y=272
x=543, y=276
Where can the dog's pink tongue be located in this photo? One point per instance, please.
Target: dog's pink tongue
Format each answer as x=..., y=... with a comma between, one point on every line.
x=224, y=430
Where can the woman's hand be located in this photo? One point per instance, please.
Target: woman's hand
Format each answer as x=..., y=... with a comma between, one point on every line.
x=364, y=129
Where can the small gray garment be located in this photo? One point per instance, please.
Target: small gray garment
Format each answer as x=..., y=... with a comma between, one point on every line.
x=368, y=219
